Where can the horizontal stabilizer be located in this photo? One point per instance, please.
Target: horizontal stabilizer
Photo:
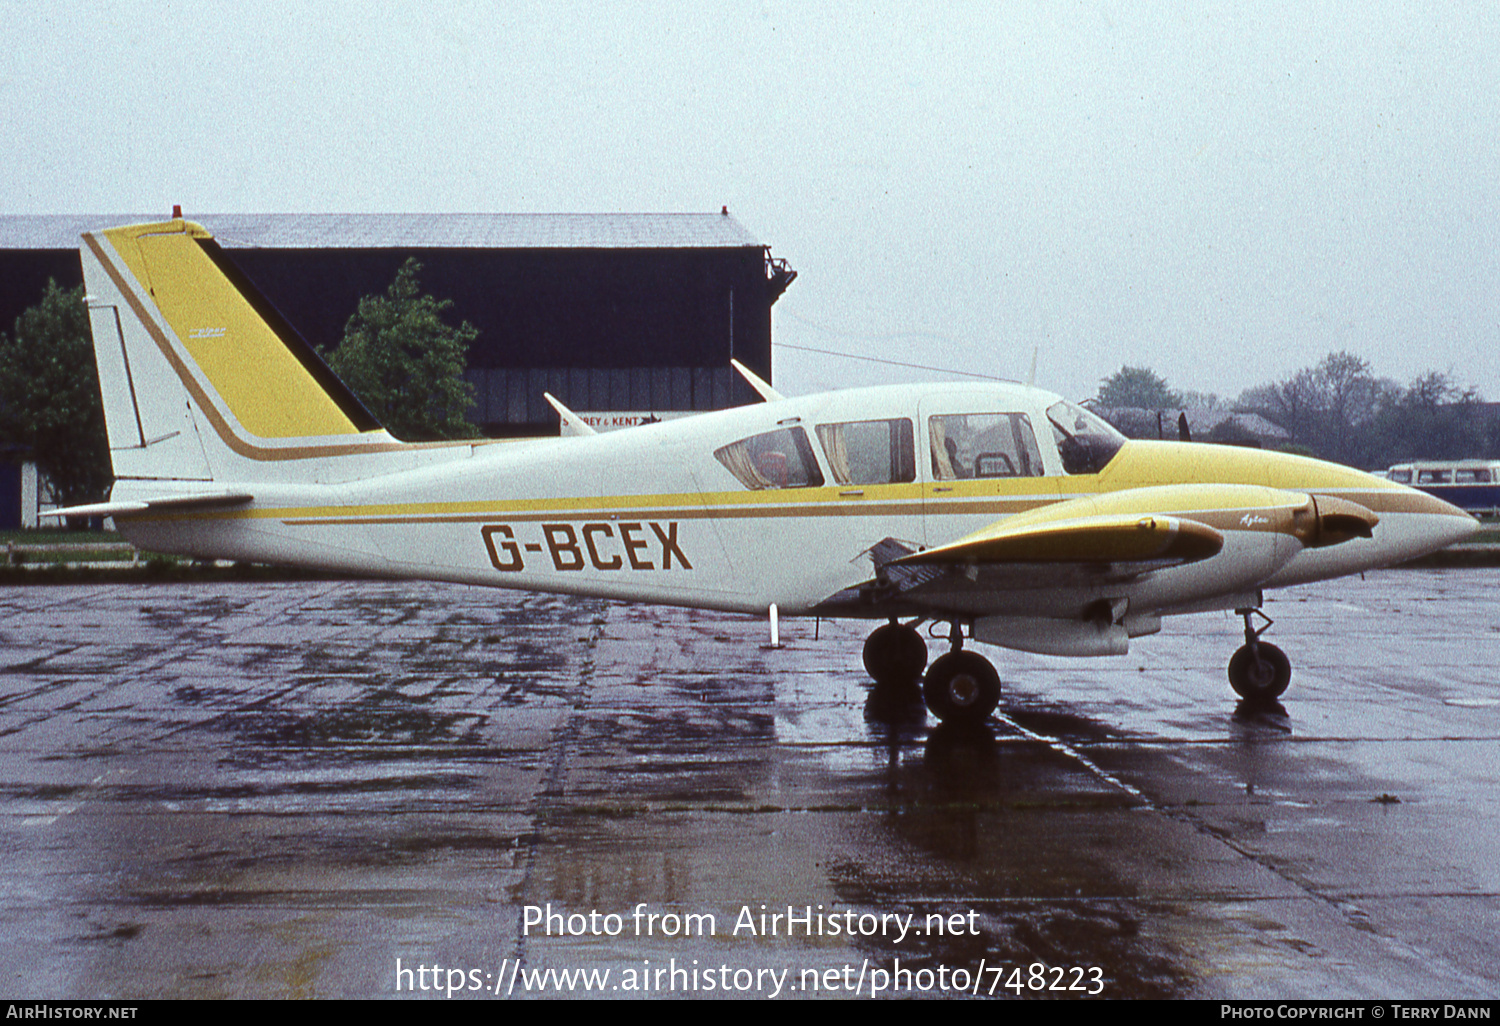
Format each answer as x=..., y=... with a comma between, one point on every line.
x=162, y=504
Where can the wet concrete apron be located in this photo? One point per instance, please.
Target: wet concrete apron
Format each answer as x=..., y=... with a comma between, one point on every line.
x=282, y=790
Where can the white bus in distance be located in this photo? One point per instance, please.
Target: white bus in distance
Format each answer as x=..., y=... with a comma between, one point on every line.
x=1468, y=484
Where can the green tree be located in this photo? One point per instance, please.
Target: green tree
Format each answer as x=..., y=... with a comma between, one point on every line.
x=49, y=396
x=407, y=365
x=1137, y=387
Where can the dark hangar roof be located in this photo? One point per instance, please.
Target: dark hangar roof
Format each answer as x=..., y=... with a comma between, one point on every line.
x=407, y=231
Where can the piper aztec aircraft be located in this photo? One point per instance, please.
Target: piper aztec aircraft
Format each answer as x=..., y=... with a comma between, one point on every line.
x=1006, y=513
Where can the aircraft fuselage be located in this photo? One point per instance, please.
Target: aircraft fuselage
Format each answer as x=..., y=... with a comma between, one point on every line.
x=649, y=514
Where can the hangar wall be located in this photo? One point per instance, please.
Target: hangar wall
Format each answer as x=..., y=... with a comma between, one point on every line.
x=607, y=312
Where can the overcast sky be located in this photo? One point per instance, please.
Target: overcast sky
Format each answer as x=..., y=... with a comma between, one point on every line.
x=1221, y=192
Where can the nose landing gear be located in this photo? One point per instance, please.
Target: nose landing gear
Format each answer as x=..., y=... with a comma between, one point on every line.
x=1258, y=670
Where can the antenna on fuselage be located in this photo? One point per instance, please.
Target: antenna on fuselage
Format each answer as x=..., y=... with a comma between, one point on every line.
x=572, y=423
x=1031, y=377
x=767, y=393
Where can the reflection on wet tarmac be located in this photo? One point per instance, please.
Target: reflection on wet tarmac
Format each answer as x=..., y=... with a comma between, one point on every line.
x=226, y=790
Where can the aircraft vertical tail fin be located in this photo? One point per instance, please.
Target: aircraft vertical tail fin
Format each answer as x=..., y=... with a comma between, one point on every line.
x=201, y=378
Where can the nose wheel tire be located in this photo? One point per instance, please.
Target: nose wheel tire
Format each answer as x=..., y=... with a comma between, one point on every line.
x=961, y=688
x=895, y=654
x=1259, y=672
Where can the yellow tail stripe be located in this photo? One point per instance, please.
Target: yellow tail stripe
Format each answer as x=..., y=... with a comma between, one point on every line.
x=264, y=385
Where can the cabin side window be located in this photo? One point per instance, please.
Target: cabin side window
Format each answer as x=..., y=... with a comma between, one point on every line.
x=870, y=451
x=776, y=459
x=1400, y=476
x=1434, y=477
x=976, y=445
x=1472, y=475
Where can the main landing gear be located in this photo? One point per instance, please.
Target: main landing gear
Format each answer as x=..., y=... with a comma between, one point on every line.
x=962, y=688
x=959, y=687
x=895, y=655
x=1259, y=672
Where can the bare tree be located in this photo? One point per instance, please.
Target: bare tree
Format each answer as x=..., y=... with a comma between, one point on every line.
x=1339, y=410
x=1293, y=403
x=1347, y=397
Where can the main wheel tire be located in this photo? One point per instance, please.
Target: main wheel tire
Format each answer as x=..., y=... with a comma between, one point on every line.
x=1259, y=673
x=961, y=688
x=895, y=654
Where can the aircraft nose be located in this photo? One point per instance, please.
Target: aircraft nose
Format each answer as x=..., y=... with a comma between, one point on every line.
x=1443, y=523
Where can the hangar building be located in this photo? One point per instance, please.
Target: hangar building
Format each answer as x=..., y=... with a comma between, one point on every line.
x=622, y=313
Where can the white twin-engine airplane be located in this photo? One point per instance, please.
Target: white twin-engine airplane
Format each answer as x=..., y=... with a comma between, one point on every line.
x=997, y=508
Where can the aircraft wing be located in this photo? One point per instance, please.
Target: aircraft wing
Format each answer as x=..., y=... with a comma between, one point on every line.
x=1091, y=540
x=1110, y=538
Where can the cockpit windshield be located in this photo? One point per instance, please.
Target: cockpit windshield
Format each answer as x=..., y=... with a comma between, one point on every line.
x=1084, y=441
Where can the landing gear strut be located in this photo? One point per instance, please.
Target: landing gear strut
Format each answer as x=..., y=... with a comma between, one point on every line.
x=1258, y=670
x=961, y=688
